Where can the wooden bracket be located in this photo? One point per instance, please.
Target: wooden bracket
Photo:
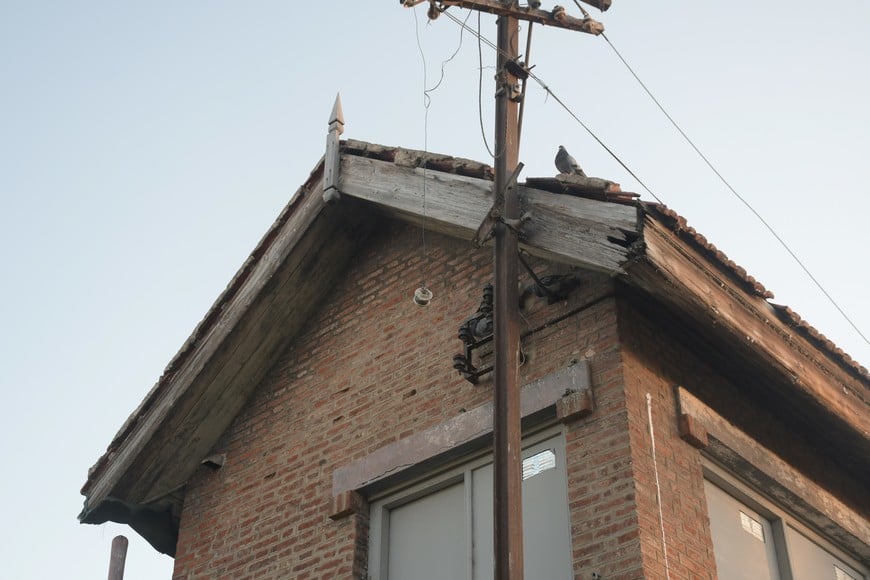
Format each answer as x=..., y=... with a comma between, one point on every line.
x=485, y=230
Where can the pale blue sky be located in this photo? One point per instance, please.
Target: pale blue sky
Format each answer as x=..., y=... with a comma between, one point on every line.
x=146, y=148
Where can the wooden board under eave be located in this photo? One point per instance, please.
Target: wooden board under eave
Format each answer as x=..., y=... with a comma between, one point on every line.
x=304, y=263
x=691, y=286
x=591, y=234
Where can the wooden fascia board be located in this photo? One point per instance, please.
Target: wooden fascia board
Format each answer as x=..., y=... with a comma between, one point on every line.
x=687, y=281
x=307, y=275
x=582, y=232
x=185, y=378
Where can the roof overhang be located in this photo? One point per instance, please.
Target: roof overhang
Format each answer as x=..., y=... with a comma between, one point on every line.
x=141, y=478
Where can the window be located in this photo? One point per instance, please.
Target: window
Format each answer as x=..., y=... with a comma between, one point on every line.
x=441, y=529
x=755, y=539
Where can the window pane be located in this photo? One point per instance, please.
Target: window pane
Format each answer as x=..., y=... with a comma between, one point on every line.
x=428, y=539
x=809, y=561
x=546, y=531
x=742, y=539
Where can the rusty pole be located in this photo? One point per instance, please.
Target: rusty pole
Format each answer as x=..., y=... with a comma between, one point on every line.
x=507, y=484
x=118, y=559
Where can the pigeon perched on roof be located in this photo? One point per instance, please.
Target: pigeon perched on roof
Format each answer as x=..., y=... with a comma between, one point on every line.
x=567, y=164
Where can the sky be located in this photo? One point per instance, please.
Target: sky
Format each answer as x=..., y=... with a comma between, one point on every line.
x=146, y=147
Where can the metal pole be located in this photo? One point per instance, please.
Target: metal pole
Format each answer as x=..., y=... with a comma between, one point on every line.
x=118, y=559
x=507, y=484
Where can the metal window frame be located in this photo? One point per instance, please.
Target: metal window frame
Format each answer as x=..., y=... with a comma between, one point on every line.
x=780, y=519
x=458, y=471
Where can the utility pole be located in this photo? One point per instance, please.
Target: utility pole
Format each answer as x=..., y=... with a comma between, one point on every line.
x=507, y=430
x=507, y=464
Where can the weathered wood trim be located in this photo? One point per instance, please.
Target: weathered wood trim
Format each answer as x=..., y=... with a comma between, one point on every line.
x=582, y=232
x=332, y=159
x=187, y=382
x=693, y=286
x=768, y=473
x=455, y=435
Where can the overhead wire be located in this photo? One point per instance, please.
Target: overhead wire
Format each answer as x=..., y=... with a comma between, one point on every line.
x=730, y=188
x=550, y=92
x=479, y=83
x=562, y=103
x=427, y=101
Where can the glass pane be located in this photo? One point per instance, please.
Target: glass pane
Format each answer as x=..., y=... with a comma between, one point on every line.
x=546, y=531
x=742, y=539
x=809, y=561
x=428, y=539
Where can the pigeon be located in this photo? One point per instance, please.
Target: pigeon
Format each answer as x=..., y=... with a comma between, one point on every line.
x=567, y=164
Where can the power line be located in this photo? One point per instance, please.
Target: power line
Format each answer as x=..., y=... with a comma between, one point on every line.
x=734, y=192
x=562, y=103
x=550, y=92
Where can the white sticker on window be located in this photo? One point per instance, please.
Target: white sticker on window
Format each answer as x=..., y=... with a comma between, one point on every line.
x=842, y=574
x=752, y=526
x=538, y=463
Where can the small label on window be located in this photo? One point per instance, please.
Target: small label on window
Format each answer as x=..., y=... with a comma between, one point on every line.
x=752, y=526
x=538, y=463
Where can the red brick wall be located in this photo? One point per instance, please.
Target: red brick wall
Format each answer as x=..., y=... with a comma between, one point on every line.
x=370, y=368
x=656, y=358
x=653, y=364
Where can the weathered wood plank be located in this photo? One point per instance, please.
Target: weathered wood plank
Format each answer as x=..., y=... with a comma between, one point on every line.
x=698, y=289
x=206, y=349
x=332, y=159
x=767, y=471
x=225, y=386
x=572, y=230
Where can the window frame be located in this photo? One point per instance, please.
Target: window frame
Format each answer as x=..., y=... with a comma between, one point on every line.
x=458, y=471
x=780, y=519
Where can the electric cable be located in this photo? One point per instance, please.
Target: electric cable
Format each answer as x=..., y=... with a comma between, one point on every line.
x=479, y=84
x=697, y=150
x=550, y=92
x=734, y=192
x=427, y=101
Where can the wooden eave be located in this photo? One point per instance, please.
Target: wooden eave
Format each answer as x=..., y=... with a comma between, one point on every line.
x=822, y=394
x=304, y=254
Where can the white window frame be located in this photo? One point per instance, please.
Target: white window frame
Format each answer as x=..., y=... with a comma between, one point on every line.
x=780, y=519
x=457, y=472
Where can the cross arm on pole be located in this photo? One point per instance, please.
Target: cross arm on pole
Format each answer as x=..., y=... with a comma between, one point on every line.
x=557, y=17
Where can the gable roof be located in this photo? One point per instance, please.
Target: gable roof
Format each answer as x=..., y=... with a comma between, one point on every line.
x=141, y=477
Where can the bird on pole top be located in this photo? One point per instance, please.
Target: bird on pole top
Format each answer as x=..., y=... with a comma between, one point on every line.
x=567, y=164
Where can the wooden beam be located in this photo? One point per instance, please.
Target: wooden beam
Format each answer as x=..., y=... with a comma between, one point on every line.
x=690, y=284
x=554, y=18
x=767, y=471
x=207, y=389
x=582, y=232
x=271, y=321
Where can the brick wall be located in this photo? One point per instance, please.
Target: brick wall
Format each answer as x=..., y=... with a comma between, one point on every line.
x=656, y=358
x=369, y=368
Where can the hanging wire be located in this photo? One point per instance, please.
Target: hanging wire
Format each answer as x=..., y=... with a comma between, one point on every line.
x=427, y=101
x=479, y=82
x=549, y=91
x=734, y=192
x=523, y=91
